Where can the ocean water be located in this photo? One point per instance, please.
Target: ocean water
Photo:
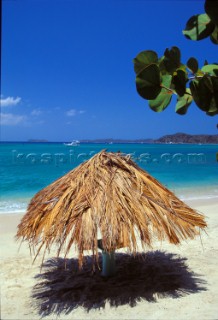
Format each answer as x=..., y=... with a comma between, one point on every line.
x=191, y=171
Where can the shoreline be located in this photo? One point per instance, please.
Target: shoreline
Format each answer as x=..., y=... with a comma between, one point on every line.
x=191, y=194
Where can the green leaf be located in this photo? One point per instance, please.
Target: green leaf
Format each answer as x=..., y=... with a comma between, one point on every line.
x=213, y=107
x=205, y=93
x=148, y=82
x=161, y=102
x=164, y=97
x=162, y=66
x=184, y=102
x=192, y=64
x=215, y=93
x=201, y=94
x=212, y=69
x=208, y=83
x=211, y=8
x=179, y=81
x=166, y=81
x=212, y=113
x=143, y=59
x=198, y=27
x=214, y=35
x=171, y=59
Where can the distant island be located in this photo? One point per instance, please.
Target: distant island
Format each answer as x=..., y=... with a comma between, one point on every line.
x=188, y=138
x=168, y=139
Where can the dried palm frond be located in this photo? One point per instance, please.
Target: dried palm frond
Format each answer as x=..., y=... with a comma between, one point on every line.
x=111, y=198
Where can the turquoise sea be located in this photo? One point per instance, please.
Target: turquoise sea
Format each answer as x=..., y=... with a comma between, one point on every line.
x=191, y=171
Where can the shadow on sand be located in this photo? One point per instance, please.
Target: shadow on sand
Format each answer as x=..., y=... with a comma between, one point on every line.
x=62, y=287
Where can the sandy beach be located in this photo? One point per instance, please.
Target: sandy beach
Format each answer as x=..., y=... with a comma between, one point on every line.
x=169, y=282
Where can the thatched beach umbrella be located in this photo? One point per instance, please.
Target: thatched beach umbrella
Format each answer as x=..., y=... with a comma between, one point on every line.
x=109, y=198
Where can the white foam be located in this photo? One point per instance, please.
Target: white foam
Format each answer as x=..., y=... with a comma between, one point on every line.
x=12, y=206
x=199, y=193
x=203, y=197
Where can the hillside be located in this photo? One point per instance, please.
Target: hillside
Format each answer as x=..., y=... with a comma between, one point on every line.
x=187, y=138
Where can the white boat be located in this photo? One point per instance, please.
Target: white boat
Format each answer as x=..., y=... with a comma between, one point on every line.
x=73, y=143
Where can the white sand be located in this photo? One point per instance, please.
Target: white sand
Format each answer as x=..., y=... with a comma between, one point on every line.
x=17, y=279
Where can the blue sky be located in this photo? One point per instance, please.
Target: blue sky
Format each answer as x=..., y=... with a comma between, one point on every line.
x=67, y=70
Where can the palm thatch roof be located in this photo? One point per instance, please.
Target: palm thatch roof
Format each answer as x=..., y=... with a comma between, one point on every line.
x=111, y=198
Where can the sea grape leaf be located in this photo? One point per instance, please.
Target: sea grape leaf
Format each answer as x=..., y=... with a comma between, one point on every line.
x=162, y=66
x=192, y=64
x=179, y=81
x=164, y=97
x=214, y=35
x=198, y=27
x=207, y=81
x=215, y=91
x=184, y=102
x=212, y=69
x=213, y=107
x=161, y=102
x=143, y=59
x=211, y=8
x=205, y=93
x=148, y=82
x=212, y=114
x=171, y=60
x=201, y=94
x=166, y=81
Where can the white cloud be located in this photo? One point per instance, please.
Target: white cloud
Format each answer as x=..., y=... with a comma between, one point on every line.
x=9, y=101
x=71, y=113
x=9, y=119
x=36, y=112
x=74, y=112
